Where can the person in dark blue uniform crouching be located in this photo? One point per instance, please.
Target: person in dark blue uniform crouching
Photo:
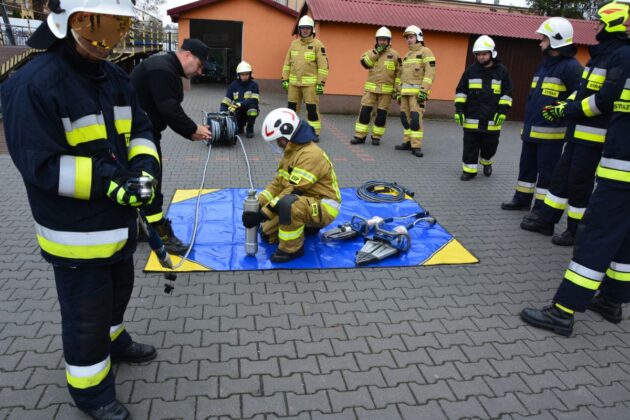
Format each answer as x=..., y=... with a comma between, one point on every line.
x=241, y=99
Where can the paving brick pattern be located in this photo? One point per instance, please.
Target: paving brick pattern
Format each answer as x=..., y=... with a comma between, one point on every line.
x=396, y=343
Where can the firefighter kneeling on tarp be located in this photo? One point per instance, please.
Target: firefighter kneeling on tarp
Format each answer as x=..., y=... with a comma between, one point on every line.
x=304, y=196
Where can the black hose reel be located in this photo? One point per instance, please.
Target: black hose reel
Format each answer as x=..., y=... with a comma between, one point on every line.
x=223, y=127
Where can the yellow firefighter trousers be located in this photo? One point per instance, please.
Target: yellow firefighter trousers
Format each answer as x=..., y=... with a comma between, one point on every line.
x=305, y=211
x=411, y=114
x=311, y=100
x=370, y=100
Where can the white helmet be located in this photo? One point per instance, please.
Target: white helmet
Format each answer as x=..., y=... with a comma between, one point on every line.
x=484, y=43
x=558, y=30
x=413, y=29
x=306, y=20
x=58, y=22
x=281, y=122
x=383, y=32
x=243, y=67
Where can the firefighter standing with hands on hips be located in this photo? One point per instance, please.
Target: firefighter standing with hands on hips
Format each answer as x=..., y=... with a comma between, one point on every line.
x=84, y=148
x=304, y=196
x=383, y=65
x=555, y=78
x=242, y=98
x=482, y=99
x=416, y=78
x=598, y=275
x=588, y=114
x=304, y=73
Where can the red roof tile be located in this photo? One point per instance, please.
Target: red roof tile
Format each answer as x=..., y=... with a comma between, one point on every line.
x=175, y=11
x=439, y=18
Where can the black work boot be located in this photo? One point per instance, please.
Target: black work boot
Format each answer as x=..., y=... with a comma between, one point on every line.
x=487, y=170
x=135, y=353
x=417, y=152
x=249, y=131
x=536, y=224
x=467, y=176
x=403, y=146
x=549, y=318
x=514, y=205
x=171, y=242
x=532, y=215
x=566, y=238
x=611, y=311
x=357, y=140
x=375, y=141
x=112, y=411
x=281, y=256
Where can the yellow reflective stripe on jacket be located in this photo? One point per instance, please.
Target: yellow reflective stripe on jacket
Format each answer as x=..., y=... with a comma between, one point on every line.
x=461, y=98
x=615, y=169
x=496, y=86
x=85, y=129
x=589, y=107
x=428, y=59
x=554, y=83
x=583, y=132
x=81, y=245
x=505, y=100
x=618, y=271
x=152, y=218
x=310, y=56
x=547, y=133
x=389, y=65
x=311, y=80
x=368, y=61
x=385, y=88
x=83, y=377
x=293, y=78
x=333, y=175
x=142, y=147
x=409, y=89
x=267, y=195
x=283, y=174
x=555, y=201
x=596, y=79
x=583, y=276
x=471, y=123
x=323, y=72
x=122, y=119
x=227, y=101
x=474, y=83
x=302, y=173
x=75, y=177
x=331, y=206
x=290, y=235
x=534, y=82
x=115, y=331
x=413, y=60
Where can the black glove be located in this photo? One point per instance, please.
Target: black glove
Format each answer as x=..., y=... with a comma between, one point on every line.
x=252, y=218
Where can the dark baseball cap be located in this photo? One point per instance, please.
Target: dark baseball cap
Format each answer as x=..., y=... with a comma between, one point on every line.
x=199, y=49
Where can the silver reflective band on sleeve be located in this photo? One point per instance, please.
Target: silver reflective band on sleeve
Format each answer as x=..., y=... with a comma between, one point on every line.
x=474, y=81
x=496, y=82
x=67, y=176
x=122, y=112
x=143, y=142
x=624, y=268
x=585, y=272
x=332, y=203
x=554, y=130
x=554, y=80
x=82, y=238
x=506, y=98
x=620, y=165
x=593, y=106
x=473, y=121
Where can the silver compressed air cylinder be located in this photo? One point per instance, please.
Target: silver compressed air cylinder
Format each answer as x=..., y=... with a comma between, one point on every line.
x=251, y=234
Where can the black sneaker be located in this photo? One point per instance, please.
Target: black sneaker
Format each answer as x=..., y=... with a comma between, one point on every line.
x=281, y=256
x=112, y=411
x=403, y=146
x=566, y=238
x=609, y=310
x=375, y=141
x=487, y=170
x=515, y=205
x=171, y=242
x=549, y=318
x=466, y=176
x=357, y=140
x=135, y=353
x=417, y=152
x=536, y=224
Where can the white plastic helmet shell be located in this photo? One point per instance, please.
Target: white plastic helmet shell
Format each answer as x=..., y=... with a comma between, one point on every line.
x=484, y=43
x=306, y=20
x=383, y=32
x=281, y=122
x=243, y=67
x=413, y=29
x=58, y=22
x=558, y=30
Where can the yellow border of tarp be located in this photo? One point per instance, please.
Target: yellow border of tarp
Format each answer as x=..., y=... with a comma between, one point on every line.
x=453, y=252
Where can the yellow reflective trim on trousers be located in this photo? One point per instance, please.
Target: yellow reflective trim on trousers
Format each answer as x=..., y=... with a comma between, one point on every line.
x=379, y=131
x=524, y=189
x=581, y=281
x=86, y=134
x=618, y=275
x=152, y=218
x=361, y=128
x=333, y=175
x=142, y=150
x=267, y=195
x=252, y=112
x=80, y=252
x=416, y=134
x=564, y=308
x=330, y=209
x=575, y=215
x=114, y=335
x=540, y=196
x=290, y=235
x=471, y=169
x=556, y=205
x=613, y=174
x=88, y=381
x=485, y=162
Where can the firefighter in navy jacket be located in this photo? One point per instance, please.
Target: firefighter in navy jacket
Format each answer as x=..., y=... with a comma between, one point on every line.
x=601, y=258
x=556, y=77
x=574, y=175
x=77, y=135
x=242, y=98
x=482, y=99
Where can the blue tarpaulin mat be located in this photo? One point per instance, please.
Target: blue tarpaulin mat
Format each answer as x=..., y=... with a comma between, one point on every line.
x=219, y=244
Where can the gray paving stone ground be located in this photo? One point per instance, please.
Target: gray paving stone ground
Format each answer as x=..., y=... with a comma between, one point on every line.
x=400, y=343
